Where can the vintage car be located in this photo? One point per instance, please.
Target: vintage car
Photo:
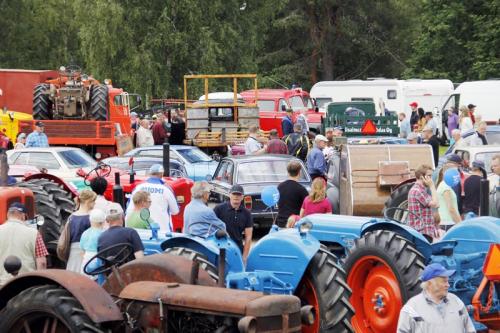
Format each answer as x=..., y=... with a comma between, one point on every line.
x=141, y=165
x=253, y=173
x=198, y=164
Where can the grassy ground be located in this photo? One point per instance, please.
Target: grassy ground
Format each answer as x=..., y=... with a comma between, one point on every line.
x=442, y=150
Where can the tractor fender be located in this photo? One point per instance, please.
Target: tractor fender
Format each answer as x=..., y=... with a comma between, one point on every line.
x=55, y=179
x=416, y=238
x=210, y=248
x=96, y=302
x=408, y=181
x=285, y=253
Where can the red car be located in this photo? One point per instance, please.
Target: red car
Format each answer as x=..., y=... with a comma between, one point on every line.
x=273, y=104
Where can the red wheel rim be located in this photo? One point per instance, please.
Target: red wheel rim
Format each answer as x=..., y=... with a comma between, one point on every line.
x=307, y=295
x=376, y=296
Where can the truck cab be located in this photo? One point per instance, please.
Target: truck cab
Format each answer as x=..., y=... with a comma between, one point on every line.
x=273, y=103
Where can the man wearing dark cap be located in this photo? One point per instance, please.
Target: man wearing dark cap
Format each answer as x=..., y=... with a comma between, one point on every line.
x=471, y=187
x=472, y=108
x=37, y=138
x=287, y=123
x=238, y=219
x=22, y=241
x=434, y=309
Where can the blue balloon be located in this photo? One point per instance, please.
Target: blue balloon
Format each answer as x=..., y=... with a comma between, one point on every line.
x=270, y=195
x=451, y=177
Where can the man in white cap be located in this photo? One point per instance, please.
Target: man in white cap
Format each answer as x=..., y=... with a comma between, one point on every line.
x=435, y=310
x=163, y=202
x=316, y=162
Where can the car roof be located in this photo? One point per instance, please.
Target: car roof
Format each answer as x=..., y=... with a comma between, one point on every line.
x=139, y=159
x=56, y=149
x=267, y=157
x=486, y=148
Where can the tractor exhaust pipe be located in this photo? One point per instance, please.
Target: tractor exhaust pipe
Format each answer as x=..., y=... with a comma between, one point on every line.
x=484, y=197
x=118, y=191
x=166, y=159
x=222, y=268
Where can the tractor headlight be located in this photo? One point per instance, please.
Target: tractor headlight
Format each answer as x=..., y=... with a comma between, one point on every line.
x=305, y=227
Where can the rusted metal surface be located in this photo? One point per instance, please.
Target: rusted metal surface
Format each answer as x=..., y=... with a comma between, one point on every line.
x=273, y=313
x=158, y=267
x=98, y=304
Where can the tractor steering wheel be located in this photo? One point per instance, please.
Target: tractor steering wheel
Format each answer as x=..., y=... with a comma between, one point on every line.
x=70, y=70
x=210, y=225
x=402, y=210
x=101, y=170
x=123, y=254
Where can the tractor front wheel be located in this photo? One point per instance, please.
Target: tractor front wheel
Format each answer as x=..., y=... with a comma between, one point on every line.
x=46, y=308
x=323, y=286
x=383, y=271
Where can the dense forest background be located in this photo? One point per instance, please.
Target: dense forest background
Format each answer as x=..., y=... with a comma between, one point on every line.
x=146, y=46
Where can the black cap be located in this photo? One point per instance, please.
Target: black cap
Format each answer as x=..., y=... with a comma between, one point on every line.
x=237, y=189
x=18, y=207
x=471, y=106
x=454, y=158
x=428, y=113
x=39, y=124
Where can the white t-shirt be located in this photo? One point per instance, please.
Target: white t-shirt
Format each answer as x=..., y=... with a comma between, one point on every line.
x=163, y=203
x=252, y=145
x=465, y=125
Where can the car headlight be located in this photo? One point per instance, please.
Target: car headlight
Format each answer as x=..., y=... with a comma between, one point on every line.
x=305, y=227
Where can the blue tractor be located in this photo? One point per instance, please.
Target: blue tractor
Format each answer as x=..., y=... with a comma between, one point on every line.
x=288, y=261
x=384, y=259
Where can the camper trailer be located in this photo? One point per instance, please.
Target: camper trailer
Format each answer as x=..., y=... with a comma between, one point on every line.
x=484, y=94
x=387, y=94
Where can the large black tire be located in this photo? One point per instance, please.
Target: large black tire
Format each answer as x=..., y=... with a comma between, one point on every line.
x=43, y=305
x=324, y=281
x=55, y=205
x=399, y=199
x=99, y=102
x=206, y=265
x=389, y=265
x=42, y=106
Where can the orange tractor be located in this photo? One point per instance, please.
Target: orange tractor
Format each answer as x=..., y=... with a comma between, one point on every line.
x=78, y=110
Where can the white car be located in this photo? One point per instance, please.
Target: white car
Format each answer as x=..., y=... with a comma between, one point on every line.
x=62, y=162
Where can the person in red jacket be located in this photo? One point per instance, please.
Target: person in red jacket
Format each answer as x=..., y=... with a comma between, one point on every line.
x=159, y=131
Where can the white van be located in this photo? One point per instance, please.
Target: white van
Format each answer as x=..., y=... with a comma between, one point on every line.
x=484, y=94
x=391, y=94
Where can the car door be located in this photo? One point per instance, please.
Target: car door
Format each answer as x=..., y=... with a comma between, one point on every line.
x=222, y=180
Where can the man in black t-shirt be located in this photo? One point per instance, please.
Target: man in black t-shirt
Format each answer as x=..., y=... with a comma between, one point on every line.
x=471, y=187
x=292, y=194
x=238, y=220
x=118, y=234
x=433, y=141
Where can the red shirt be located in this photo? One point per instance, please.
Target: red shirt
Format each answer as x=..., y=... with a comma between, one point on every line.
x=159, y=133
x=419, y=204
x=40, y=249
x=321, y=207
x=276, y=146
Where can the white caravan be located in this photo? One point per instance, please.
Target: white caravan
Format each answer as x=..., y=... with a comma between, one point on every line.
x=484, y=94
x=391, y=94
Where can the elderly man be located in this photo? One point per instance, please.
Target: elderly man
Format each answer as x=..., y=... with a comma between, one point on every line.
x=17, y=238
x=252, y=144
x=144, y=136
x=435, y=310
x=412, y=138
x=275, y=144
x=199, y=219
x=316, y=162
x=118, y=234
x=164, y=204
x=37, y=138
x=160, y=133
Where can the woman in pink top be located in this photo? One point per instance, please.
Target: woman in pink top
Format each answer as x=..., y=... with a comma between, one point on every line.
x=316, y=201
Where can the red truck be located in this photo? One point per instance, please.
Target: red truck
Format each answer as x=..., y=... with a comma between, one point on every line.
x=273, y=104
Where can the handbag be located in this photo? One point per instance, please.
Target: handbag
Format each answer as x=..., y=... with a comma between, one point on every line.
x=64, y=242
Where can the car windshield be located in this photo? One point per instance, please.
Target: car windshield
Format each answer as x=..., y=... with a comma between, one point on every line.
x=77, y=159
x=265, y=171
x=194, y=155
x=493, y=138
x=297, y=102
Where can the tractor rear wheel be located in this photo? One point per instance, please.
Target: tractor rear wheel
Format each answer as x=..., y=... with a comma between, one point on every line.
x=399, y=199
x=206, y=265
x=324, y=287
x=45, y=308
x=99, y=102
x=41, y=102
x=383, y=271
x=55, y=205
